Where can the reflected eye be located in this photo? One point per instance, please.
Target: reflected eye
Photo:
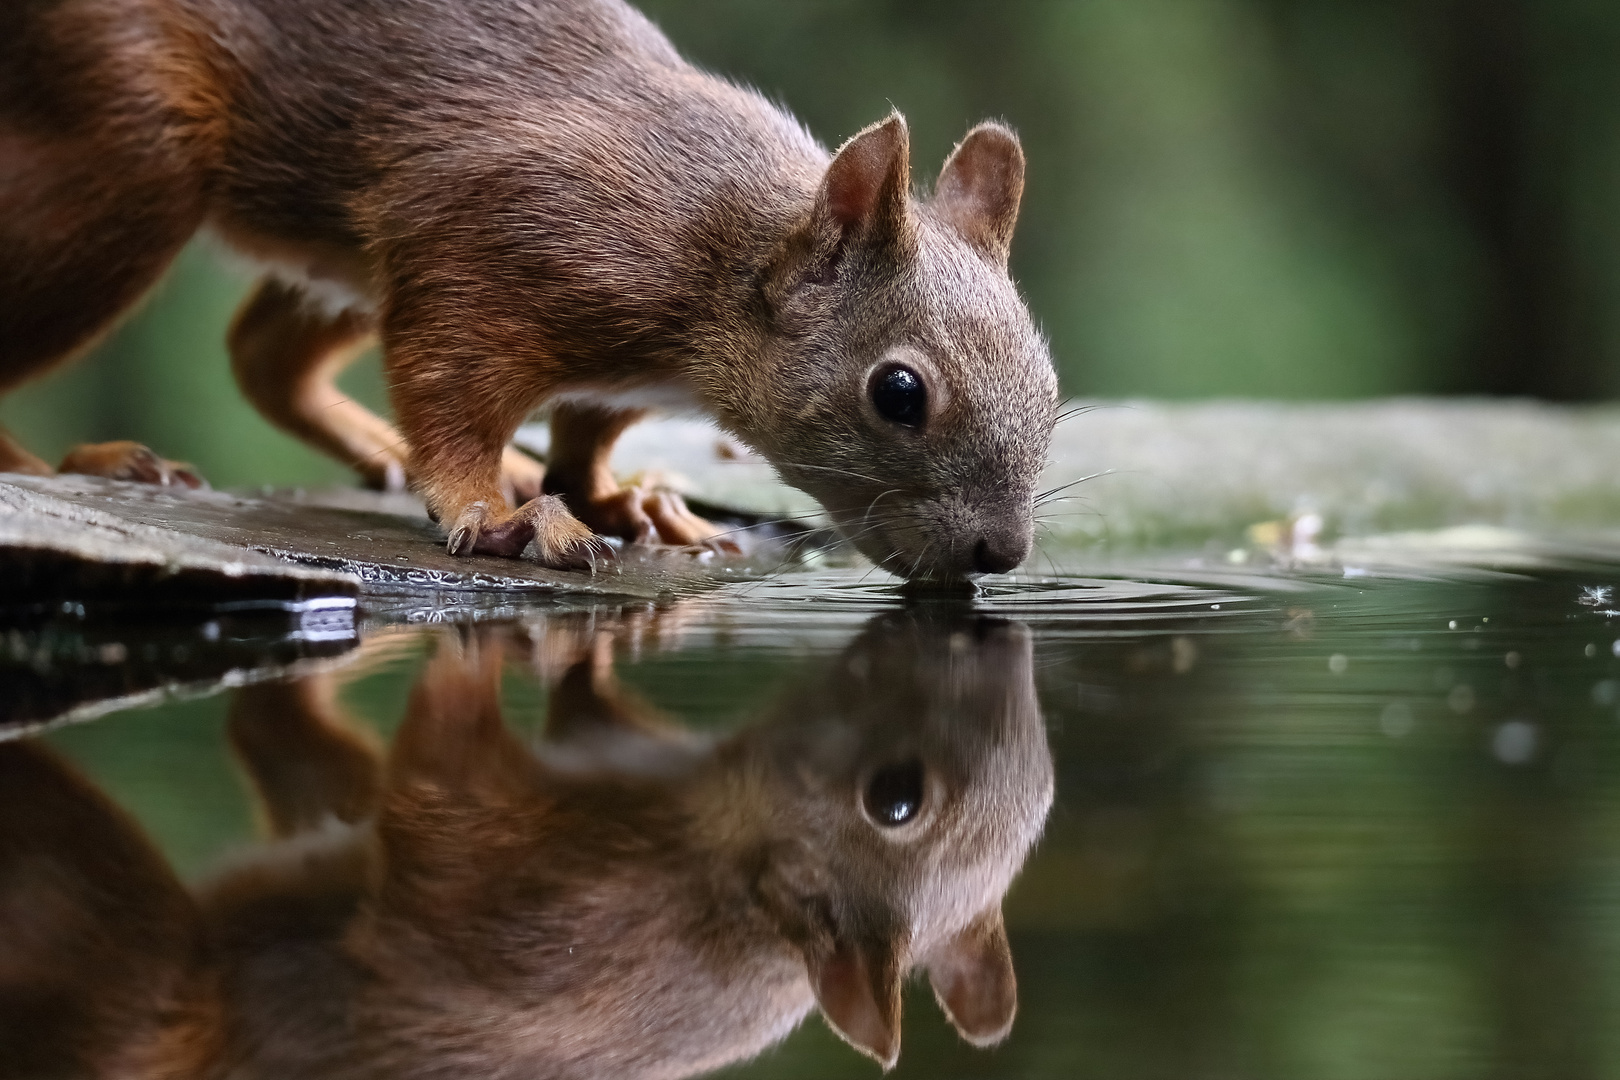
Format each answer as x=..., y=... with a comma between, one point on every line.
x=894, y=794
x=899, y=396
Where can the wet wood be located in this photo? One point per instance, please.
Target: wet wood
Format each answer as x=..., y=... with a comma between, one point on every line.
x=76, y=540
x=73, y=536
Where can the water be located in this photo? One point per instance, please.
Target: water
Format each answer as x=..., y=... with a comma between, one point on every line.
x=1302, y=826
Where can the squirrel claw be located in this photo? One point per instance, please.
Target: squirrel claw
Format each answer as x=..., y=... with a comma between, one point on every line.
x=462, y=540
x=583, y=555
x=562, y=541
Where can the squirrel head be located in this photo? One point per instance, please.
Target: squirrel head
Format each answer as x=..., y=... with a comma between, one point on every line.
x=909, y=390
x=901, y=794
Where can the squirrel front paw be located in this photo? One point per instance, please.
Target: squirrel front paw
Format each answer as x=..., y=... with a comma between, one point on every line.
x=561, y=541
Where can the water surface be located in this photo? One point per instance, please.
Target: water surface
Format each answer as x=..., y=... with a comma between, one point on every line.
x=1303, y=825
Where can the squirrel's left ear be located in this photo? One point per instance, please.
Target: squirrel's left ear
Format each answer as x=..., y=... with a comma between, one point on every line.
x=858, y=989
x=979, y=188
x=972, y=976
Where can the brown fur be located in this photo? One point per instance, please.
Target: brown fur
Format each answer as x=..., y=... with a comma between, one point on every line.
x=124, y=460
x=625, y=900
x=536, y=202
x=103, y=965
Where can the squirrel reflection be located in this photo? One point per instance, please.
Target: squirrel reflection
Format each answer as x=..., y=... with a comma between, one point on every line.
x=624, y=898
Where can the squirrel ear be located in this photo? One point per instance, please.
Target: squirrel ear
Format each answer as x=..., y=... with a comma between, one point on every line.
x=972, y=976
x=858, y=989
x=866, y=187
x=979, y=189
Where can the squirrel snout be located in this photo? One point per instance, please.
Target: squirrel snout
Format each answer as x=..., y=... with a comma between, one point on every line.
x=1000, y=551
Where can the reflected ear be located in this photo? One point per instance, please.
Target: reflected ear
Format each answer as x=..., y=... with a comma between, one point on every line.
x=979, y=188
x=858, y=989
x=866, y=187
x=972, y=976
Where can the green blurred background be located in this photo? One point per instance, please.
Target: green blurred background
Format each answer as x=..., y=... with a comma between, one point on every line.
x=1273, y=198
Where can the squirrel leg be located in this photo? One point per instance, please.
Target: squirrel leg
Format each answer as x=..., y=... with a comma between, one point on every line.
x=286, y=352
x=14, y=457
x=582, y=438
x=457, y=434
x=454, y=746
x=307, y=762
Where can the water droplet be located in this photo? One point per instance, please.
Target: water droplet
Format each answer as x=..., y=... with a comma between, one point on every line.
x=1595, y=595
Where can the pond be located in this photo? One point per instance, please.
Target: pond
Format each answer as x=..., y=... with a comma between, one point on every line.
x=1293, y=823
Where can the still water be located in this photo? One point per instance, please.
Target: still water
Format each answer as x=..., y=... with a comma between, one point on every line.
x=1234, y=826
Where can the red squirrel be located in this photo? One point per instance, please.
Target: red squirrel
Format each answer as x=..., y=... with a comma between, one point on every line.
x=623, y=898
x=532, y=203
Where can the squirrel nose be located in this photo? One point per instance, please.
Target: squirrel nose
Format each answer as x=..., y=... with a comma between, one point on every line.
x=995, y=554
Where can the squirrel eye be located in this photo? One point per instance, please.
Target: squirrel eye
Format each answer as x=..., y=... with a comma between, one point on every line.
x=899, y=396
x=894, y=794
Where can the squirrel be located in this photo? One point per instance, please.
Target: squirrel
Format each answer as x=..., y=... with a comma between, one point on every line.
x=532, y=203
x=622, y=898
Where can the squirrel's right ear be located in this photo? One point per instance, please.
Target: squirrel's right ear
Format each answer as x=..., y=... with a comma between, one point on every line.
x=980, y=187
x=864, y=194
x=972, y=975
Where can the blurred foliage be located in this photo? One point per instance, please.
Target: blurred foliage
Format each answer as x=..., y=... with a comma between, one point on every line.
x=1278, y=198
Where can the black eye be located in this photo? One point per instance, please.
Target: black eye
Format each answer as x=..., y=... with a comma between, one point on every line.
x=894, y=794
x=899, y=395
